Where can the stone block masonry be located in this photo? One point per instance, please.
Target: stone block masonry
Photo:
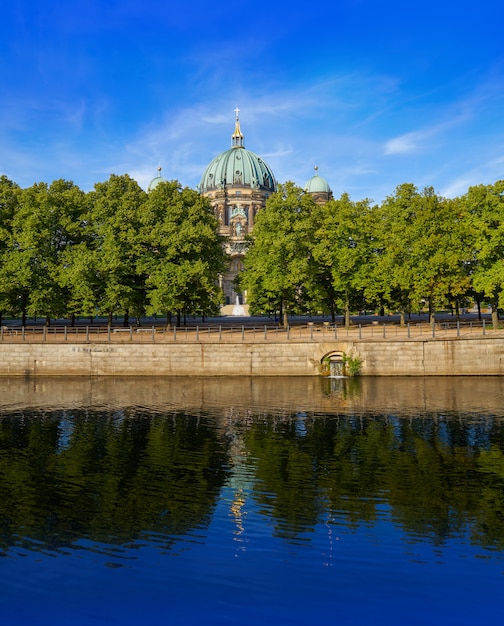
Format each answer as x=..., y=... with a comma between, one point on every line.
x=397, y=357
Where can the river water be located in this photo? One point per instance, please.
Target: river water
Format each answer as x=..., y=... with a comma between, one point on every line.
x=251, y=501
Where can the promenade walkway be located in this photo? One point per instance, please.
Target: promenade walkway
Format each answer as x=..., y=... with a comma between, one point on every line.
x=232, y=331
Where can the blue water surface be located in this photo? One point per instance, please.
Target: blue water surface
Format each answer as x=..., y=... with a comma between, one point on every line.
x=286, y=517
x=368, y=575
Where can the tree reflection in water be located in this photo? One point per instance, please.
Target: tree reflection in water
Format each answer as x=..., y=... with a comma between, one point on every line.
x=126, y=475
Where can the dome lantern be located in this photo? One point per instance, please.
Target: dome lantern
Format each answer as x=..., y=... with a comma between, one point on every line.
x=237, y=136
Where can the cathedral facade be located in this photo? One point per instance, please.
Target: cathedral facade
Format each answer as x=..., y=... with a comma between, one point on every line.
x=238, y=183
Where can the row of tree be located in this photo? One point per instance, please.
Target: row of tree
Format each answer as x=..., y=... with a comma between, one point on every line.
x=114, y=250
x=416, y=248
x=119, y=250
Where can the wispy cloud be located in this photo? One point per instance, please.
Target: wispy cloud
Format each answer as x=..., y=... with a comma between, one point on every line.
x=485, y=174
x=404, y=144
x=418, y=140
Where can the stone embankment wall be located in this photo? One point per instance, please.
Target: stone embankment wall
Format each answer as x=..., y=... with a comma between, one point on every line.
x=398, y=357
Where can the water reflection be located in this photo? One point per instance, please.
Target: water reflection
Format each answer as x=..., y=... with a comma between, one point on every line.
x=337, y=453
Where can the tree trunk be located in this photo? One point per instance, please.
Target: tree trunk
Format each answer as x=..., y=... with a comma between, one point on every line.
x=47, y=320
x=72, y=322
x=402, y=322
x=347, y=313
x=495, y=316
x=126, y=319
x=110, y=318
x=24, y=299
x=432, y=315
x=285, y=319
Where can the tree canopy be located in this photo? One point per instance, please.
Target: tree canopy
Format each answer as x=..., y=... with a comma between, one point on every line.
x=113, y=251
x=416, y=249
x=118, y=250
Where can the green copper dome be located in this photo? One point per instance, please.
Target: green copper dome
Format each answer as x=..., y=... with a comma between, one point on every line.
x=317, y=184
x=155, y=181
x=239, y=167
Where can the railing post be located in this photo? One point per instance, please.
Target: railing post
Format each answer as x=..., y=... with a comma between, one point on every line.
x=243, y=333
x=409, y=333
x=220, y=333
x=174, y=333
x=87, y=334
x=265, y=332
x=484, y=328
x=23, y=332
x=384, y=330
x=458, y=328
x=131, y=333
x=108, y=333
x=65, y=333
x=288, y=333
x=197, y=333
x=433, y=329
x=360, y=331
x=153, y=334
x=311, y=333
x=44, y=333
x=1, y=333
x=335, y=330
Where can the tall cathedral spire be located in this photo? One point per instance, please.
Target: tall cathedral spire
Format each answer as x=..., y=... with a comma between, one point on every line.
x=237, y=136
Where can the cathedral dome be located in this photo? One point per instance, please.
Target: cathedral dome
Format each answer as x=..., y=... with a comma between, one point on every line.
x=237, y=167
x=317, y=184
x=155, y=181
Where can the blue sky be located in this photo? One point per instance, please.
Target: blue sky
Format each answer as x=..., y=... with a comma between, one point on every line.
x=375, y=93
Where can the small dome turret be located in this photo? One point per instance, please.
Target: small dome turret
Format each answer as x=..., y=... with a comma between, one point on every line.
x=317, y=184
x=318, y=187
x=155, y=181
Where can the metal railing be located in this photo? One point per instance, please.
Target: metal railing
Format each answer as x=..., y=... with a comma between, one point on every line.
x=374, y=331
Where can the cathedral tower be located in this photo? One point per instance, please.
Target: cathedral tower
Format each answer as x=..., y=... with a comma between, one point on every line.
x=238, y=183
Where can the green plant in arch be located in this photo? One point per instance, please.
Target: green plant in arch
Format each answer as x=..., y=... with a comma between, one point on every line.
x=351, y=364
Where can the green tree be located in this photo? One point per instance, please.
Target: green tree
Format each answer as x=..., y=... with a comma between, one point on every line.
x=117, y=247
x=485, y=211
x=277, y=266
x=183, y=255
x=9, y=205
x=439, y=251
x=343, y=251
x=423, y=250
x=46, y=224
x=393, y=275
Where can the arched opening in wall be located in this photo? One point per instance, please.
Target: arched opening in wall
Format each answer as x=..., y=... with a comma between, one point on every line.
x=333, y=365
